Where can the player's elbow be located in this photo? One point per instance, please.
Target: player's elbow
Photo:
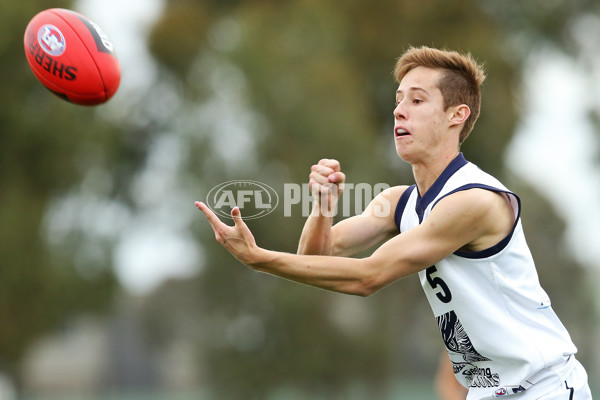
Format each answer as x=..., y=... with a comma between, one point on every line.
x=366, y=288
x=370, y=282
x=363, y=291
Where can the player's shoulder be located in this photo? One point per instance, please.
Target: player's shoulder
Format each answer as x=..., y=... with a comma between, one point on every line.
x=486, y=215
x=384, y=204
x=393, y=194
x=473, y=201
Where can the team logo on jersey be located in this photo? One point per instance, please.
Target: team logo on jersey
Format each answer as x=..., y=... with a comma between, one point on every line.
x=463, y=354
x=51, y=40
x=508, y=390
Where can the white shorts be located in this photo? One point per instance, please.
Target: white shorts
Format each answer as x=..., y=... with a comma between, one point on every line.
x=570, y=385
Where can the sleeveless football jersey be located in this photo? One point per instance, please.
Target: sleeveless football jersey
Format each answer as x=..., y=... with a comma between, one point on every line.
x=495, y=319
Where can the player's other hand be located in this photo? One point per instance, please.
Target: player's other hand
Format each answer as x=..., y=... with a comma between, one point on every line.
x=326, y=182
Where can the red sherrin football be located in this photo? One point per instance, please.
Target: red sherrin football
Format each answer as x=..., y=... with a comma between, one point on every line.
x=72, y=57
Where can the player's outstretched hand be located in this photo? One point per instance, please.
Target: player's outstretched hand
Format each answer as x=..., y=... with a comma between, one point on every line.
x=237, y=238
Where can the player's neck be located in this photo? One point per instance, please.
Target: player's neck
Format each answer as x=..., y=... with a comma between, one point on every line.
x=428, y=170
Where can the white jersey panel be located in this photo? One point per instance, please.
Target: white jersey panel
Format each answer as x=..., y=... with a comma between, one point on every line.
x=496, y=320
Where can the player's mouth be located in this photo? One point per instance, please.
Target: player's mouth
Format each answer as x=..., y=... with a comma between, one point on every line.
x=400, y=132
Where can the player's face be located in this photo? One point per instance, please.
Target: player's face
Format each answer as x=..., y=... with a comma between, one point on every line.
x=419, y=116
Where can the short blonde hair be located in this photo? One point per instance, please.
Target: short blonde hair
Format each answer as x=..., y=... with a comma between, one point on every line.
x=459, y=84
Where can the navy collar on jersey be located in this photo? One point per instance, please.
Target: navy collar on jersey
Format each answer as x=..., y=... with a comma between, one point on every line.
x=438, y=185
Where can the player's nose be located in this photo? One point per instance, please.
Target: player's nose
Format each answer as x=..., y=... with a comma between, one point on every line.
x=400, y=111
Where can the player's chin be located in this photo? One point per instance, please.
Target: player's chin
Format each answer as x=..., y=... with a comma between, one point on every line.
x=403, y=151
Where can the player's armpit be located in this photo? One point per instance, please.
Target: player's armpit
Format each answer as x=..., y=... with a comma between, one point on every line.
x=356, y=234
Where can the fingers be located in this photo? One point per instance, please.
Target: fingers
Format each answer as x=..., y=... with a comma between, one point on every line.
x=330, y=163
x=326, y=167
x=223, y=232
x=215, y=222
x=326, y=171
x=325, y=174
x=337, y=177
x=319, y=173
x=212, y=218
x=236, y=214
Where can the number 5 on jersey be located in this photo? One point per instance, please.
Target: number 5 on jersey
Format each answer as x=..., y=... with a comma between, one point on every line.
x=435, y=281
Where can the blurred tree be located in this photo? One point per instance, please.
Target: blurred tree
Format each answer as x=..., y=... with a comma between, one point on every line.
x=49, y=149
x=567, y=27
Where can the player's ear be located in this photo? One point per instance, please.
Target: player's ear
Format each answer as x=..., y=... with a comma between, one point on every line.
x=459, y=114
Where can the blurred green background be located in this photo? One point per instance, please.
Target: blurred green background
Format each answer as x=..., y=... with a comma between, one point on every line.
x=111, y=284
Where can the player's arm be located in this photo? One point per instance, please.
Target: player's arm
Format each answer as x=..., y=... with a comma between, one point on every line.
x=326, y=182
x=352, y=235
x=468, y=218
x=376, y=224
